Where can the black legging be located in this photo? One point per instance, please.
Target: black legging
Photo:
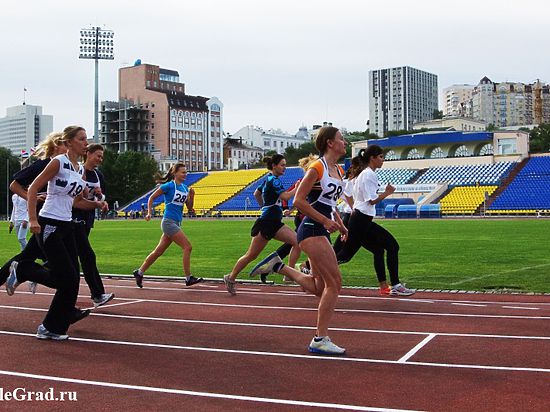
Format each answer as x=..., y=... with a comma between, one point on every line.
x=338, y=244
x=57, y=240
x=363, y=231
x=88, y=259
x=31, y=252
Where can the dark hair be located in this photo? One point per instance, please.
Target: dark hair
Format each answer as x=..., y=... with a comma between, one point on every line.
x=94, y=147
x=274, y=160
x=370, y=152
x=171, y=172
x=356, y=167
x=324, y=134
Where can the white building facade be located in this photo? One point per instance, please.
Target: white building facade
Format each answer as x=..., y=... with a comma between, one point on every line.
x=276, y=140
x=24, y=127
x=457, y=100
x=400, y=97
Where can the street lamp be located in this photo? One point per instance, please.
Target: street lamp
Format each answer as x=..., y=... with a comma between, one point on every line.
x=96, y=44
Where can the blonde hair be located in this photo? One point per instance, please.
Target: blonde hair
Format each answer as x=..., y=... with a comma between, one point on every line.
x=46, y=147
x=304, y=162
x=70, y=132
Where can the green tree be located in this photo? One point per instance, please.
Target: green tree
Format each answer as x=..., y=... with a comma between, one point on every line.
x=128, y=175
x=491, y=127
x=540, y=139
x=293, y=154
x=9, y=164
x=437, y=114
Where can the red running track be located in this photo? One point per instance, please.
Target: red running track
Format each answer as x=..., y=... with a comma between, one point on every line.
x=167, y=347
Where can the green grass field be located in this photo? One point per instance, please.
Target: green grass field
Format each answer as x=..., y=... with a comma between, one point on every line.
x=481, y=254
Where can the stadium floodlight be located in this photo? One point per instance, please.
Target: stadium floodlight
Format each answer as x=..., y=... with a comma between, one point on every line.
x=96, y=44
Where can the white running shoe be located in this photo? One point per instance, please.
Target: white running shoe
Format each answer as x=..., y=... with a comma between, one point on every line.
x=11, y=282
x=325, y=346
x=43, y=333
x=229, y=284
x=401, y=290
x=103, y=299
x=265, y=266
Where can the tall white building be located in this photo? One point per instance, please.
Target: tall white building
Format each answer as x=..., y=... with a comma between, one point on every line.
x=457, y=100
x=400, y=97
x=23, y=127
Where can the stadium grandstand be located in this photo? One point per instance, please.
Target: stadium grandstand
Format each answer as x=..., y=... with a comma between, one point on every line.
x=435, y=174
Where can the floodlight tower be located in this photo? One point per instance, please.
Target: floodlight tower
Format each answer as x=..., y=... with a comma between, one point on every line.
x=96, y=44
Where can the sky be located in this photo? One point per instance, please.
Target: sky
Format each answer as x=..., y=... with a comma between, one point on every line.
x=275, y=64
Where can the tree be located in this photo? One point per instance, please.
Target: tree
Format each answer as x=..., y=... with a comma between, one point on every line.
x=491, y=127
x=293, y=154
x=128, y=175
x=9, y=164
x=437, y=114
x=540, y=139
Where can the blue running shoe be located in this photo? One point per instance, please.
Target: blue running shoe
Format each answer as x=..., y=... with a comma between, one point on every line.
x=265, y=266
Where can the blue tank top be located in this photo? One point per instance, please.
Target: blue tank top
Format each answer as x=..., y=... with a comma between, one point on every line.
x=174, y=198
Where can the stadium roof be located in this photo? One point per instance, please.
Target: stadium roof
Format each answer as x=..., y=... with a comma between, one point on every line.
x=431, y=138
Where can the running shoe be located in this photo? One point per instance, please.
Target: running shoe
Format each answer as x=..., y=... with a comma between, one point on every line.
x=305, y=270
x=12, y=283
x=261, y=266
x=401, y=290
x=79, y=314
x=385, y=291
x=325, y=346
x=192, y=280
x=229, y=284
x=103, y=299
x=43, y=333
x=139, y=278
x=265, y=266
x=32, y=287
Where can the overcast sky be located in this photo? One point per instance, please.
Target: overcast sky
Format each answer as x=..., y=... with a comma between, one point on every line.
x=275, y=64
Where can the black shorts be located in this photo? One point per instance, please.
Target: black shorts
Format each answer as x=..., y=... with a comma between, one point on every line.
x=311, y=228
x=267, y=228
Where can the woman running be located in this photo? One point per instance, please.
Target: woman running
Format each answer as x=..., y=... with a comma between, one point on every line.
x=284, y=250
x=269, y=225
x=176, y=194
x=84, y=222
x=53, y=145
x=363, y=231
x=19, y=219
x=54, y=231
x=316, y=198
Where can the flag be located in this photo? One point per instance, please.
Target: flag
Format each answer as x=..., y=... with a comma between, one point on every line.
x=32, y=151
x=24, y=153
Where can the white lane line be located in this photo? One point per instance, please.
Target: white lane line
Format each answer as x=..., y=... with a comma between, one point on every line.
x=288, y=355
x=110, y=305
x=298, y=327
x=423, y=343
x=196, y=393
x=519, y=307
x=267, y=291
x=469, y=304
x=342, y=310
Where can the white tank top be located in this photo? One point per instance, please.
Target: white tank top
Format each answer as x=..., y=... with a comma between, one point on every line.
x=331, y=188
x=62, y=189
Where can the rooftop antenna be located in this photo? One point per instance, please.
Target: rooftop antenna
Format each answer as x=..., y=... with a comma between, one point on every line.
x=24, y=91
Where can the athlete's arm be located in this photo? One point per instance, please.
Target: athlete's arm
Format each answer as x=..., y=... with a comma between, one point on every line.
x=41, y=180
x=303, y=205
x=152, y=198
